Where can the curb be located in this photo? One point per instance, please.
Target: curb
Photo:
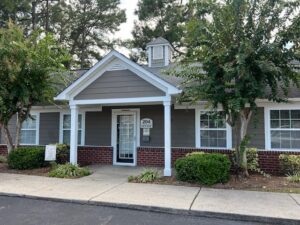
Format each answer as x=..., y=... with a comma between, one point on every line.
x=208, y=214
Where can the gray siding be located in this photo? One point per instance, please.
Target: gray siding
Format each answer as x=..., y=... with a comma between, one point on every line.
x=49, y=128
x=12, y=128
x=98, y=127
x=119, y=84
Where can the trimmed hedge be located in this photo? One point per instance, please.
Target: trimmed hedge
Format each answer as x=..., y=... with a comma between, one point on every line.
x=26, y=158
x=289, y=164
x=205, y=169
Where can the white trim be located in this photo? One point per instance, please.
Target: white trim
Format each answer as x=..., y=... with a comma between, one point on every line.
x=198, y=132
x=167, y=138
x=61, y=116
x=119, y=100
x=37, y=129
x=143, y=73
x=167, y=56
x=267, y=118
x=136, y=113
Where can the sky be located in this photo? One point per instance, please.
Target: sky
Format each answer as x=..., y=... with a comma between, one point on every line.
x=126, y=28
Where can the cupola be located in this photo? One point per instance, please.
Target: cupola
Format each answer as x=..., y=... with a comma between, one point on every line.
x=159, y=52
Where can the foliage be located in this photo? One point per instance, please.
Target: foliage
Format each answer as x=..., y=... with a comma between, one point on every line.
x=195, y=153
x=289, y=164
x=3, y=159
x=68, y=171
x=62, y=152
x=158, y=18
x=203, y=168
x=295, y=177
x=245, y=48
x=27, y=67
x=147, y=176
x=252, y=161
x=26, y=158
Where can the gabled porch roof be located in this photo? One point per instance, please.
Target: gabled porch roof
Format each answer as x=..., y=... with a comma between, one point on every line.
x=105, y=65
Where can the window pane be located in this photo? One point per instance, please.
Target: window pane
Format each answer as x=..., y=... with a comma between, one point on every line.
x=275, y=139
x=29, y=123
x=296, y=144
x=295, y=114
x=295, y=124
x=275, y=124
x=158, y=52
x=285, y=114
x=204, y=116
x=204, y=124
x=79, y=138
x=285, y=124
x=274, y=114
x=66, y=137
x=67, y=122
x=28, y=137
x=79, y=121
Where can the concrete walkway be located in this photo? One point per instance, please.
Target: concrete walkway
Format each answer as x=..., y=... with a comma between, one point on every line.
x=108, y=186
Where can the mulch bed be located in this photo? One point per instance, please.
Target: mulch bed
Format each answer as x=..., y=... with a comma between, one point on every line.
x=37, y=172
x=255, y=182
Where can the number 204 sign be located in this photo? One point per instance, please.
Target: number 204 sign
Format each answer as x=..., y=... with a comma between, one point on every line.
x=146, y=123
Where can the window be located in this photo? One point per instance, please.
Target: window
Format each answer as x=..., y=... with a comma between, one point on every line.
x=66, y=129
x=285, y=129
x=29, y=131
x=158, y=52
x=212, y=131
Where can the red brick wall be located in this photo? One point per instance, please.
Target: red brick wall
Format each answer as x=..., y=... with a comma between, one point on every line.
x=147, y=156
x=86, y=155
x=3, y=150
x=95, y=155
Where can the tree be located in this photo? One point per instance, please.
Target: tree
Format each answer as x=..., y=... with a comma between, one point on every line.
x=158, y=18
x=84, y=26
x=81, y=26
x=27, y=67
x=245, y=47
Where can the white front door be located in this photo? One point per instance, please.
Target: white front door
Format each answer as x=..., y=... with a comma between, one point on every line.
x=124, y=136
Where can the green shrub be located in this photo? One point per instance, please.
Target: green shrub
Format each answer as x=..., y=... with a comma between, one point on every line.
x=3, y=159
x=295, y=177
x=26, y=158
x=203, y=168
x=62, y=153
x=289, y=164
x=252, y=161
x=147, y=176
x=195, y=153
x=68, y=171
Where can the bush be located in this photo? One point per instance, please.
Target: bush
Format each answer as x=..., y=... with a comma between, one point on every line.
x=26, y=158
x=68, y=171
x=295, y=177
x=203, y=168
x=62, y=152
x=289, y=164
x=252, y=161
x=146, y=176
x=3, y=159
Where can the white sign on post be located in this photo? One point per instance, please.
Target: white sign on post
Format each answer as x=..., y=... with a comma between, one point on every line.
x=50, y=153
x=146, y=123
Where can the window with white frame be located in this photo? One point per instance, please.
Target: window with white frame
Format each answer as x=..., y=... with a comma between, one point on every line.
x=213, y=130
x=285, y=129
x=29, y=131
x=66, y=129
x=158, y=52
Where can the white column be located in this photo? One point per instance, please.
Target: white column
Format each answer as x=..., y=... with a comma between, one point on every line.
x=74, y=134
x=167, y=127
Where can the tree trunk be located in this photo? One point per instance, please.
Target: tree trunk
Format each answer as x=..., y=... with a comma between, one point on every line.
x=245, y=116
x=18, y=131
x=8, y=139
